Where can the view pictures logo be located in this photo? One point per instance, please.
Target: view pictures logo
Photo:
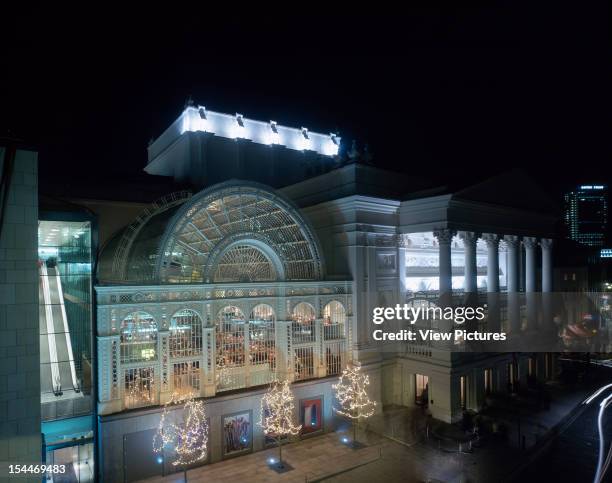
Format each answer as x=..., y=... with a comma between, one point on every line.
x=411, y=314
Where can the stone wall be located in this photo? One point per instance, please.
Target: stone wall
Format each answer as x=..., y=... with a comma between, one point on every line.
x=20, y=439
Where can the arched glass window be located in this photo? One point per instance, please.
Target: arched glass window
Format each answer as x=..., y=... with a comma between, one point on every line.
x=138, y=338
x=230, y=338
x=261, y=336
x=244, y=263
x=185, y=334
x=303, y=322
x=334, y=318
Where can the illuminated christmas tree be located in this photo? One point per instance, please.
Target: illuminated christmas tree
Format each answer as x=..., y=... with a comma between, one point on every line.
x=187, y=436
x=352, y=396
x=277, y=414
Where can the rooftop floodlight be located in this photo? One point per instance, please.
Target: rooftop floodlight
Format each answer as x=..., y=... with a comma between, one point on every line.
x=203, y=119
x=304, y=139
x=274, y=136
x=239, y=130
x=331, y=145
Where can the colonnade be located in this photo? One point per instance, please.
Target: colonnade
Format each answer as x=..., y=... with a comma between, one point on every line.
x=514, y=245
x=516, y=279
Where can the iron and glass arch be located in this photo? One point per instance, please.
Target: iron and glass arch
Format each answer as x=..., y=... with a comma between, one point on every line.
x=232, y=232
x=225, y=225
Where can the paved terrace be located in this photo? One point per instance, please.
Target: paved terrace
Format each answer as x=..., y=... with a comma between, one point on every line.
x=396, y=451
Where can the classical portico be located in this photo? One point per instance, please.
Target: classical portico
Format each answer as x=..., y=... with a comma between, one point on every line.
x=514, y=244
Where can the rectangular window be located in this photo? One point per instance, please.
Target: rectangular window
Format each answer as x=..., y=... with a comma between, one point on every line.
x=186, y=377
x=334, y=357
x=139, y=388
x=304, y=366
x=462, y=392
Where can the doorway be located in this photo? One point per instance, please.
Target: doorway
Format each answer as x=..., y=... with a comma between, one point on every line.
x=78, y=461
x=421, y=393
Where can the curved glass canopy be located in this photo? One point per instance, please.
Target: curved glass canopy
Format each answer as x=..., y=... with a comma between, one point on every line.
x=232, y=232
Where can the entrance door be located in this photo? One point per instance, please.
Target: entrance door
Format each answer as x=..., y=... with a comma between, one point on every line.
x=78, y=460
x=421, y=393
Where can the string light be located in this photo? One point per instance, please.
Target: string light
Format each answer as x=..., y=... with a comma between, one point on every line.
x=140, y=390
x=352, y=396
x=276, y=416
x=223, y=375
x=188, y=437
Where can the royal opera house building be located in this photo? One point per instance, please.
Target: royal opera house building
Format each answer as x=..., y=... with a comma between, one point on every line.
x=268, y=266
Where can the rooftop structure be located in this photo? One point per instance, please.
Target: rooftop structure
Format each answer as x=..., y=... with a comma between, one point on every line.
x=205, y=147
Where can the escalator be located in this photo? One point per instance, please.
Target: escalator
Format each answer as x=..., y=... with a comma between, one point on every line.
x=58, y=371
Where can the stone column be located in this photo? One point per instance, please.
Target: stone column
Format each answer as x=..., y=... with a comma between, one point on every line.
x=469, y=238
x=401, y=269
x=492, y=261
x=320, y=367
x=284, y=350
x=530, y=245
x=514, y=312
x=208, y=386
x=166, y=373
x=444, y=238
x=492, y=280
x=547, y=302
x=372, y=289
x=546, y=244
x=512, y=242
x=247, y=353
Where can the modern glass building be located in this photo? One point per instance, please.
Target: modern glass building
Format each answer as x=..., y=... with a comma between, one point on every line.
x=586, y=214
x=66, y=254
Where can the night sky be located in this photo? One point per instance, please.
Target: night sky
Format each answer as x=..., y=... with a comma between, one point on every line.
x=449, y=94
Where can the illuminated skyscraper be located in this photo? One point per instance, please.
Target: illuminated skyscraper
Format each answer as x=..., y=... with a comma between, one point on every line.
x=586, y=214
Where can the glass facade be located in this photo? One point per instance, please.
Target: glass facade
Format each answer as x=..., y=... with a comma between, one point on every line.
x=65, y=314
x=586, y=214
x=66, y=351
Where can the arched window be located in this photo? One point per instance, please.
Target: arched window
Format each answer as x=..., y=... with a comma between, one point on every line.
x=244, y=263
x=185, y=334
x=261, y=336
x=138, y=338
x=334, y=318
x=303, y=322
x=230, y=337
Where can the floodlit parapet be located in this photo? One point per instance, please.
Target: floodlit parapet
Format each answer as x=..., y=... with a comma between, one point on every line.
x=205, y=147
x=198, y=119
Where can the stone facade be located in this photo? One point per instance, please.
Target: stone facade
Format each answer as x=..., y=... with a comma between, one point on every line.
x=20, y=439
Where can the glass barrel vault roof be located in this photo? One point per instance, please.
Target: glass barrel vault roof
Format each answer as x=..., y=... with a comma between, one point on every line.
x=213, y=237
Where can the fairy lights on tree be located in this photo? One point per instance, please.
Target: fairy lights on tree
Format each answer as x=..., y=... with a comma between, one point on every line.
x=277, y=415
x=352, y=396
x=187, y=436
